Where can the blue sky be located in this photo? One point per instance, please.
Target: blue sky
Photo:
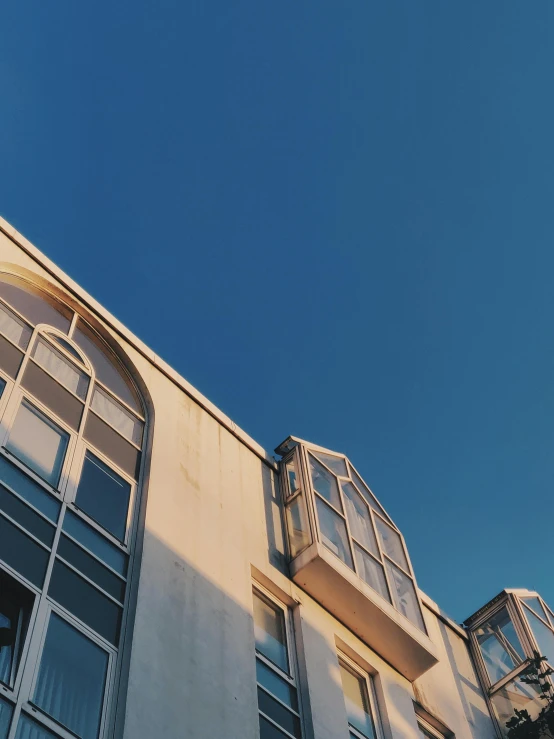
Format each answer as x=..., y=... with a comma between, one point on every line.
x=336, y=220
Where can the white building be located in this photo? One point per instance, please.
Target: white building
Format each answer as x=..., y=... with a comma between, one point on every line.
x=162, y=576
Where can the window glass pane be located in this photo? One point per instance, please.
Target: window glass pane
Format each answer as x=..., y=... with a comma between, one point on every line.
x=22, y=484
x=391, y=543
x=356, y=700
x=536, y=605
x=67, y=346
x=291, y=475
x=95, y=542
x=38, y=443
x=276, y=685
x=10, y=357
x=278, y=713
x=2, y=386
x=359, y=519
x=29, y=729
x=106, y=366
x=91, y=567
x=270, y=633
x=16, y=603
x=20, y=512
x=335, y=464
x=86, y=602
x=333, y=532
x=269, y=731
x=371, y=572
x=404, y=595
x=71, y=679
x=298, y=526
x=5, y=718
x=54, y=396
x=61, y=368
x=366, y=492
x=516, y=695
x=543, y=635
x=104, y=496
x=14, y=328
x=22, y=553
x=33, y=303
x=116, y=415
x=499, y=645
x=325, y=483
x=113, y=445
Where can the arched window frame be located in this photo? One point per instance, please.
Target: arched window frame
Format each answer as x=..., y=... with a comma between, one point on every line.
x=65, y=492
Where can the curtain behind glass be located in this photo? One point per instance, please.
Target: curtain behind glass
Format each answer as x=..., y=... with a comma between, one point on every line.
x=72, y=675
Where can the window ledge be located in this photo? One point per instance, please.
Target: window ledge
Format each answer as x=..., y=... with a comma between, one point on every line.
x=340, y=591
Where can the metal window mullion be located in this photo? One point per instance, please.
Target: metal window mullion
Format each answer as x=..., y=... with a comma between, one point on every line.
x=523, y=631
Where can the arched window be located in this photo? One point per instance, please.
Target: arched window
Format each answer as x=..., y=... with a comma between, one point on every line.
x=72, y=429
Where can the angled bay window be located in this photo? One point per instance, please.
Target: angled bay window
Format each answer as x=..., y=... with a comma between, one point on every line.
x=504, y=635
x=73, y=426
x=348, y=554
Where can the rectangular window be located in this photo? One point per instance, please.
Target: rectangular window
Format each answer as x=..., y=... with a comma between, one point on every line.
x=104, y=496
x=38, y=442
x=358, y=700
x=277, y=692
x=71, y=679
x=14, y=328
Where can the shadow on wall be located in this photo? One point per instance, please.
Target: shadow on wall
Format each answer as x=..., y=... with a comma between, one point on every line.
x=275, y=526
x=479, y=721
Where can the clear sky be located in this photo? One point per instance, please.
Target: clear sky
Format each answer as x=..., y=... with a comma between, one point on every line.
x=336, y=219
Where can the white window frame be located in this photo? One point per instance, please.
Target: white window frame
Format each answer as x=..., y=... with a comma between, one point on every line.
x=291, y=678
x=368, y=679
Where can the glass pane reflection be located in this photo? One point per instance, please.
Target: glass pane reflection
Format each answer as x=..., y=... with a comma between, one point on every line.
x=335, y=464
x=516, y=695
x=298, y=526
x=325, y=484
x=333, y=532
x=391, y=543
x=38, y=442
x=356, y=701
x=371, y=572
x=404, y=595
x=71, y=679
x=543, y=634
x=499, y=645
x=359, y=519
x=269, y=632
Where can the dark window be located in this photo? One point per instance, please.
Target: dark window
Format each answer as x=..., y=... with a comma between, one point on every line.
x=110, y=443
x=104, y=496
x=71, y=679
x=22, y=484
x=16, y=603
x=24, y=515
x=95, y=542
x=85, y=602
x=22, y=553
x=90, y=567
x=2, y=386
x=6, y=711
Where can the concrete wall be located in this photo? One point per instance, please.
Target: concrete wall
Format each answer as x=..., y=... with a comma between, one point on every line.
x=212, y=522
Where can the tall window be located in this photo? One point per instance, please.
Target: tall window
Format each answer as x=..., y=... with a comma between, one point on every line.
x=359, y=702
x=70, y=458
x=278, y=702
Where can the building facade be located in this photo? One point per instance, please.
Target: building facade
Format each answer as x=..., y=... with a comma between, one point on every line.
x=161, y=575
